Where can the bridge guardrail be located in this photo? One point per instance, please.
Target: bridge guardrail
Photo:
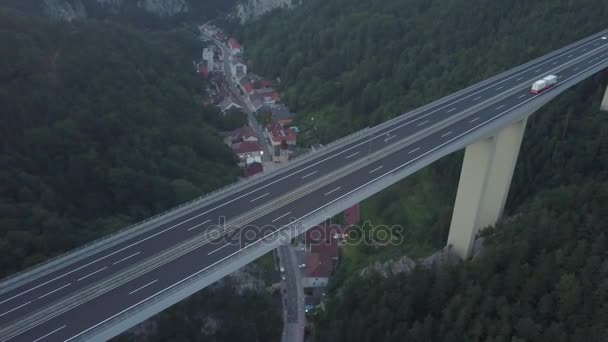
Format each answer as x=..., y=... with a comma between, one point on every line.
x=147, y=224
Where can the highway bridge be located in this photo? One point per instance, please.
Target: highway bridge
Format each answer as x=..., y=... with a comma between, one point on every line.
x=106, y=287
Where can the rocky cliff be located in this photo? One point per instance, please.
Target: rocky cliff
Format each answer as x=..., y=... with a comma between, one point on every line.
x=251, y=9
x=79, y=9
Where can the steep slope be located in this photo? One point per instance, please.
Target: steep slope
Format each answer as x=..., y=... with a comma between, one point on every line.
x=101, y=126
x=138, y=13
x=349, y=65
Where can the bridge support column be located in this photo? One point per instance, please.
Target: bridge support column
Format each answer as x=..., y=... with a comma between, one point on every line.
x=604, y=105
x=484, y=184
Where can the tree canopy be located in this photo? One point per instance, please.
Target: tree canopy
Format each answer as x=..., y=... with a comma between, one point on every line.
x=102, y=126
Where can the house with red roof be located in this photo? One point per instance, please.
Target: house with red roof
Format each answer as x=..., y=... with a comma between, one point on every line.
x=247, y=149
x=278, y=134
x=252, y=169
x=234, y=46
x=269, y=95
x=320, y=264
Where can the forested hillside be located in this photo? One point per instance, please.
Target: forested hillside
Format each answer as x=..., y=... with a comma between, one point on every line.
x=353, y=64
x=146, y=13
x=101, y=126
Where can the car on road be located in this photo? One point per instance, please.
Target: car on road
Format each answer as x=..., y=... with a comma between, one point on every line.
x=604, y=37
x=302, y=266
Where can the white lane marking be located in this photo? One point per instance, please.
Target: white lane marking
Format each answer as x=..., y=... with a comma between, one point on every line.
x=217, y=249
x=334, y=190
x=310, y=174
x=446, y=134
x=519, y=79
x=282, y=178
x=389, y=138
x=569, y=56
x=140, y=288
x=499, y=87
x=352, y=155
x=257, y=198
x=575, y=68
x=414, y=150
x=55, y=290
x=554, y=63
x=451, y=110
x=49, y=334
x=477, y=118
x=126, y=258
x=90, y=274
x=376, y=169
x=422, y=123
x=477, y=98
x=537, y=70
x=497, y=108
x=280, y=217
x=13, y=309
x=198, y=225
x=96, y=325
x=521, y=96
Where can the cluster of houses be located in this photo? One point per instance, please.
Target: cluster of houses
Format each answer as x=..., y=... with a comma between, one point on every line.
x=256, y=94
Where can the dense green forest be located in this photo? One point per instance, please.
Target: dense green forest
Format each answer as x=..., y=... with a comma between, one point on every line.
x=354, y=64
x=102, y=126
x=542, y=277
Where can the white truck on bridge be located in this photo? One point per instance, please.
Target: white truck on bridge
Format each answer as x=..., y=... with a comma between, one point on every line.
x=543, y=84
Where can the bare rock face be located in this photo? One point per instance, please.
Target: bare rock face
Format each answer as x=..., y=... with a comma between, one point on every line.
x=65, y=9
x=407, y=265
x=115, y=6
x=164, y=8
x=251, y=9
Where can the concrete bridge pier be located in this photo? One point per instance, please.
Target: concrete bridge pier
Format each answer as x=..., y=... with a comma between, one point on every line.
x=604, y=105
x=484, y=184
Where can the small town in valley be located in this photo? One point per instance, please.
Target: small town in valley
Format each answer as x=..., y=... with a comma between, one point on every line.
x=269, y=140
x=303, y=268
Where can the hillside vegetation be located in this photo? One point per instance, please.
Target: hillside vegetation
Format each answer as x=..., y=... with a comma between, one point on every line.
x=101, y=126
x=354, y=64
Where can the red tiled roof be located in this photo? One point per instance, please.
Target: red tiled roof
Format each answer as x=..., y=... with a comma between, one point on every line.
x=248, y=87
x=325, y=250
x=246, y=147
x=233, y=44
x=268, y=93
x=352, y=215
x=320, y=263
x=252, y=169
x=279, y=133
